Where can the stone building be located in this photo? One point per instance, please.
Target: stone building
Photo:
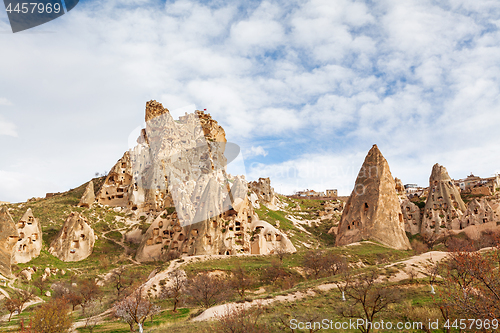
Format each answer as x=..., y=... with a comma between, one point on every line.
x=373, y=211
x=29, y=244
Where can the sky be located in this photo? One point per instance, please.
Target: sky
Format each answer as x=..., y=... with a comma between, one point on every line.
x=305, y=88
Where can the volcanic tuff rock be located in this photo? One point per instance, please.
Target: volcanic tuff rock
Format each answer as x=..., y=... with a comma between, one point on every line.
x=30, y=238
x=171, y=165
x=234, y=229
x=399, y=186
x=88, y=196
x=444, y=206
x=478, y=212
x=75, y=241
x=373, y=210
x=411, y=216
x=8, y=239
x=265, y=193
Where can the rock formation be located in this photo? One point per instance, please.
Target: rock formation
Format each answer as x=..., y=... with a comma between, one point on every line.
x=444, y=206
x=75, y=241
x=478, y=212
x=30, y=238
x=235, y=229
x=411, y=216
x=399, y=186
x=8, y=239
x=264, y=192
x=170, y=166
x=373, y=210
x=88, y=196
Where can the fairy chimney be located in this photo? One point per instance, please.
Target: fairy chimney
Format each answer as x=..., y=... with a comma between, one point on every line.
x=478, y=212
x=30, y=238
x=373, y=211
x=411, y=216
x=8, y=239
x=75, y=241
x=444, y=206
x=88, y=196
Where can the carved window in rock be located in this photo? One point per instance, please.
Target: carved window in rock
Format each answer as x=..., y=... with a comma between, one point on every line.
x=20, y=225
x=209, y=239
x=35, y=237
x=407, y=208
x=214, y=224
x=400, y=217
x=149, y=241
x=156, y=231
x=160, y=224
x=75, y=244
x=475, y=211
x=365, y=207
x=158, y=240
x=21, y=235
x=82, y=237
x=180, y=237
x=278, y=237
x=268, y=237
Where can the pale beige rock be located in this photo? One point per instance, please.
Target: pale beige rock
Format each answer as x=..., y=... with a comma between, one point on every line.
x=444, y=207
x=88, y=196
x=75, y=241
x=8, y=239
x=478, y=212
x=399, y=186
x=30, y=238
x=411, y=216
x=265, y=193
x=373, y=210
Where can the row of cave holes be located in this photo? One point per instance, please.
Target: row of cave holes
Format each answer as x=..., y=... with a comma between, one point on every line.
x=22, y=224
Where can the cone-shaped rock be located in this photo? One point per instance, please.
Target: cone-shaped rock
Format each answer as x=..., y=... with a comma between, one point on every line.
x=444, y=207
x=8, y=239
x=373, y=210
x=30, y=238
x=75, y=241
x=88, y=196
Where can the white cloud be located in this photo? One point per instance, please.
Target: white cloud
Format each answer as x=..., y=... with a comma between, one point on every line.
x=329, y=78
x=255, y=151
x=7, y=128
x=5, y=101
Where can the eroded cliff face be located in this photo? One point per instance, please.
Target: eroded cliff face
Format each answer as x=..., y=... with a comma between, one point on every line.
x=234, y=229
x=29, y=244
x=171, y=165
x=88, y=197
x=8, y=239
x=411, y=216
x=75, y=241
x=477, y=213
x=444, y=206
x=373, y=210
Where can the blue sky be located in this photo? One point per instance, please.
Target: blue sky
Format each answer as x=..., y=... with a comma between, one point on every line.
x=304, y=87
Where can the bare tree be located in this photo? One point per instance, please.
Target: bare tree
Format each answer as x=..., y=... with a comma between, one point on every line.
x=11, y=305
x=41, y=284
x=366, y=298
x=135, y=309
x=281, y=252
x=122, y=280
x=241, y=280
x=91, y=315
x=176, y=287
x=274, y=272
x=88, y=290
x=19, y=298
x=471, y=285
x=314, y=262
x=207, y=290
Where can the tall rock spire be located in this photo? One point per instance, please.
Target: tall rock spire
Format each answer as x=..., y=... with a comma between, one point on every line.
x=373, y=210
x=444, y=206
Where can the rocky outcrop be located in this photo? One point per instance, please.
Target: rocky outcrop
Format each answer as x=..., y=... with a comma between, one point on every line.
x=478, y=212
x=444, y=206
x=373, y=210
x=8, y=239
x=265, y=193
x=30, y=238
x=171, y=165
x=411, y=216
x=236, y=229
x=75, y=241
x=88, y=196
x=400, y=189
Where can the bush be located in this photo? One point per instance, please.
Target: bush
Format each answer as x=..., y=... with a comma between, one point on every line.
x=52, y=317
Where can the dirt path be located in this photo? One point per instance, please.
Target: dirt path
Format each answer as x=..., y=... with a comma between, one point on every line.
x=418, y=262
x=121, y=243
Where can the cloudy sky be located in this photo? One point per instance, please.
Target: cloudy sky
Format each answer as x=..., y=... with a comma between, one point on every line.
x=304, y=87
